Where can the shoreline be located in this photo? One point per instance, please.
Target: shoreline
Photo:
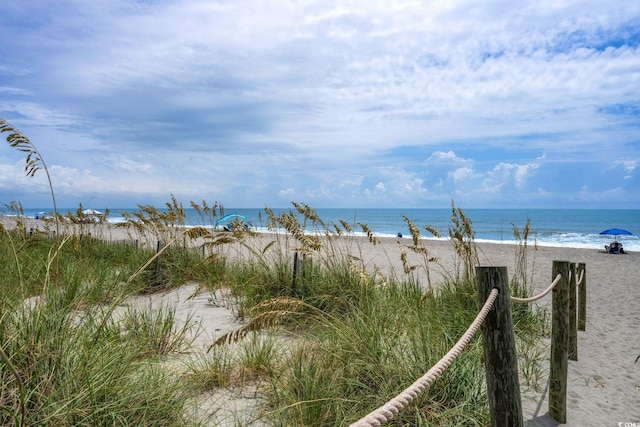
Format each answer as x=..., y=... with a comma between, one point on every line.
x=544, y=236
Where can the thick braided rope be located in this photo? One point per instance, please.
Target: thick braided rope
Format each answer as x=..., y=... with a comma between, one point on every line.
x=386, y=412
x=540, y=295
x=581, y=277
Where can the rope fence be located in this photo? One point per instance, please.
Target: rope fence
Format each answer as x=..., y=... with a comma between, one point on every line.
x=540, y=295
x=386, y=412
x=500, y=356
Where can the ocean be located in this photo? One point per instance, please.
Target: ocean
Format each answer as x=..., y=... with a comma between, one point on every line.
x=575, y=228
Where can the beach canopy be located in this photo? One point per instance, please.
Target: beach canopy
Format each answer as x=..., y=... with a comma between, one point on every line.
x=228, y=221
x=616, y=232
x=231, y=218
x=91, y=212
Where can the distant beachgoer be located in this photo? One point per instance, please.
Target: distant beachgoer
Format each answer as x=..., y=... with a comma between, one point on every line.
x=614, y=247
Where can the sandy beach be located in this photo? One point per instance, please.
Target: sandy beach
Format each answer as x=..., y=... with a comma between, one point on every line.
x=603, y=384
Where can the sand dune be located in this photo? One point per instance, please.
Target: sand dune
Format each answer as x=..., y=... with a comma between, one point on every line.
x=603, y=385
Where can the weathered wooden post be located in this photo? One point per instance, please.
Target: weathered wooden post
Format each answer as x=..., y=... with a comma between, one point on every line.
x=573, y=315
x=156, y=271
x=559, y=343
x=295, y=273
x=500, y=358
x=582, y=297
x=158, y=247
x=305, y=267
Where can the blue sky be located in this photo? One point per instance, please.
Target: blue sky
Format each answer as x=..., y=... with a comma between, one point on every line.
x=531, y=104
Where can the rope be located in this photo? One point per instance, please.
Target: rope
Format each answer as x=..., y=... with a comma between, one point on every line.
x=386, y=412
x=540, y=295
x=581, y=277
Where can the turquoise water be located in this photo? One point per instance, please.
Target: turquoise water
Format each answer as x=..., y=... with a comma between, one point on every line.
x=577, y=228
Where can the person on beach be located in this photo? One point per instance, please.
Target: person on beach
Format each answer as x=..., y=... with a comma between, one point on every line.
x=614, y=247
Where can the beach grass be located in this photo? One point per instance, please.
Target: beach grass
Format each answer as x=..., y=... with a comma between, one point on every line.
x=325, y=339
x=360, y=337
x=63, y=364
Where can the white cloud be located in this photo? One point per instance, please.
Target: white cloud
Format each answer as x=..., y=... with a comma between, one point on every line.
x=130, y=165
x=288, y=193
x=523, y=172
x=506, y=172
x=13, y=176
x=462, y=174
x=445, y=157
x=630, y=166
x=354, y=181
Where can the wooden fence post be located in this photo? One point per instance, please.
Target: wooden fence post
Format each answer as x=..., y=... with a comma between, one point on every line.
x=582, y=297
x=559, y=343
x=573, y=315
x=156, y=271
x=295, y=273
x=305, y=267
x=158, y=247
x=500, y=358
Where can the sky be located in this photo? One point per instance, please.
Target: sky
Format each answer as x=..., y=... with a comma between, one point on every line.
x=354, y=104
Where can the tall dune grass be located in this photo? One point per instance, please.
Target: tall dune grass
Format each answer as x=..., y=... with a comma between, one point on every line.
x=361, y=337
x=354, y=337
x=62, y=366
x=322, y=347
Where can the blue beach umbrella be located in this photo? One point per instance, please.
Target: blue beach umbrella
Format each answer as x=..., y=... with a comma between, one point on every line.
x=616, y=232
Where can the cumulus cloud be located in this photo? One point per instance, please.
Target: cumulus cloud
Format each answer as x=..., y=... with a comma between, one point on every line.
x=462, y=174
x=509, y=173
x=445, y=157
x=14, y=176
